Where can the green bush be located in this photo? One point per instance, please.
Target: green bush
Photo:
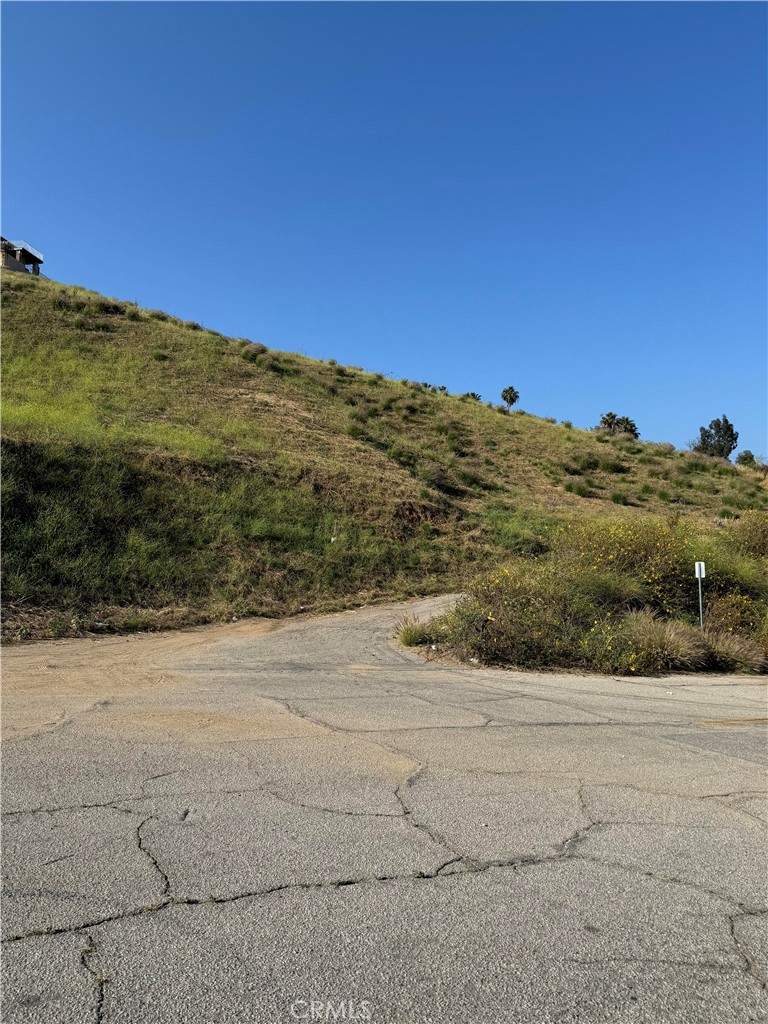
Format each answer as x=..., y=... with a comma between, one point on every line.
x=734, y=612
x=522, y=616
x=582, y=490
x=613, y=466
x=610, y=590
x=749, y=534
x=619, y=595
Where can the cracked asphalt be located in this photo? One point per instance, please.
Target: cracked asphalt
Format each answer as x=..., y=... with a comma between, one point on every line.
x=266, y=822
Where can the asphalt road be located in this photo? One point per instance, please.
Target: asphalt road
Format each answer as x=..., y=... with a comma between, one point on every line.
x=302, y=821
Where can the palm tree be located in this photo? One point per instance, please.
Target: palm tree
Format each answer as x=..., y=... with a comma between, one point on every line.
x=624, y=425
x=509, y=396
x=609, y=421
x=614, y=424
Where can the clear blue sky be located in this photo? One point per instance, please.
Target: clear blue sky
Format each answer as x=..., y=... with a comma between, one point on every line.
x=570, y=198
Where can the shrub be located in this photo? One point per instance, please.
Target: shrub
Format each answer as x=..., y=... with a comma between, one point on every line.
x=662, y=645
x=521, y=616
x=253, y=346
x=613, y=466
x=108, y=307
x=656, y=551
x=567, y=424
x=582, y=490
x=414, y=633
x=749, y=534
x=734, y=611
x=160, y=356
x=192, y=326
x=734, y=652
x=158, y=314
x=619, y=498
x=610, y=590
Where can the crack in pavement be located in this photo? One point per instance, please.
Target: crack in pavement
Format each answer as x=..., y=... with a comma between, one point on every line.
x=461, y=865
x=750, y=961
x=99, y=981
x=151, y=857
x=320, y=807
x=562, y=851
x=745, y=908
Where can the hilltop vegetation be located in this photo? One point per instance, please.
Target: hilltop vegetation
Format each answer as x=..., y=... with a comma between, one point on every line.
x=157, y=472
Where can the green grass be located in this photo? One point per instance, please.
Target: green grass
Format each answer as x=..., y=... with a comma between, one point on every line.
x=157, y=471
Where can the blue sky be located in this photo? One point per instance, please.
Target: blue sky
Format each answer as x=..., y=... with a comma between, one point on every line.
x=570, y=198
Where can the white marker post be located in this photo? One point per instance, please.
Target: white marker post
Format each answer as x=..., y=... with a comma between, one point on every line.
x=701, y=572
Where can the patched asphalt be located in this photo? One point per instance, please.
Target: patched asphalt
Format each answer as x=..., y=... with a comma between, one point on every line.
x=269, y=822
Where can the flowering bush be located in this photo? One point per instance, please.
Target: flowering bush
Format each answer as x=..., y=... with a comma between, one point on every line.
x=619, y=595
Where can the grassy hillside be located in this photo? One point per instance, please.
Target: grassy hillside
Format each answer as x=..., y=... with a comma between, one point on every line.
x=156, y=472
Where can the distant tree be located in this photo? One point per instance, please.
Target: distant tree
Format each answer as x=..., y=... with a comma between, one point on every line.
x=718, y=439
x=474, y=396
x=746, y=458
x=608, y=421
x=614, y=424
x=624, y=425
x=509, y=396
x=442, y=389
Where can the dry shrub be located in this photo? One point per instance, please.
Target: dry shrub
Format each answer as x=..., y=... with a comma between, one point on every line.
x=412, y=632
x=734, y=652
x=662, y=645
